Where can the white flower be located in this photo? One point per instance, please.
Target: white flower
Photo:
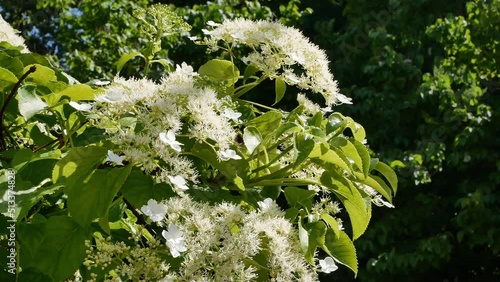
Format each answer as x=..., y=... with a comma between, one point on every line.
x=229, y=154
x=154, y=210
x=114, y=158
x=377, y=200
x=266, y=204
x=179, y=182
x=169, y=138
x=99, y=82
x=81, y=107
x=232, y=115
x=175, y=242
x=7, y=33
x=328, y=265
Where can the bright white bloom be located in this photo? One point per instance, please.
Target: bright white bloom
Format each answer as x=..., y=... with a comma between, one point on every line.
x=81, y=107
x=277, y=51
x=114, y=158
x=99, y=82
x=231, y=114
x=7, y=33
x=178, y=181
x=175, y=241
x=377, y=200
x=169, y=139
x=128, y=91
x=154, y=210
x=266, y=204
x=328, y=265
x=229, y=154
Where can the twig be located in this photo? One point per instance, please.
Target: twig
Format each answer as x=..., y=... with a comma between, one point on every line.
x=9, y=97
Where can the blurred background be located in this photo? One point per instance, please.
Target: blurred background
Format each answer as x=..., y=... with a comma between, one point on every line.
x=424, y=77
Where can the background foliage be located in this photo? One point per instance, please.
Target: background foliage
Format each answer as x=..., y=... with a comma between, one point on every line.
x=424, y=79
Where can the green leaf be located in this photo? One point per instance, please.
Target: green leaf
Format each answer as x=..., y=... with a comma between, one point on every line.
x=363, y=154
x=7, y=76
x=349, y=151
x=291, y=214
x=334, y=225
x=125, y=58
x=350, y=197
x=297, y=197
x=357, y=130
x=316, y=231
x=12, y=64
x=139, y=188
x=323, y=154
x=304, y=241
x=336, y=124
x=29, y=102
x=267, y=123
x=220, y=70
x=303, y=147
x=61, y=250
x=389, y=174
x=91, y=200
x=75, y=92
x=249, y=71
x=379, y=185
x=78, y=164
x=251, y=138
x=342, y=249
x=280, y=88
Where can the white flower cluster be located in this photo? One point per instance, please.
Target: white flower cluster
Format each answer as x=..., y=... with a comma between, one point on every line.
x=7, y=33
x=145, y=119
x=218, y=242
x=278, y=51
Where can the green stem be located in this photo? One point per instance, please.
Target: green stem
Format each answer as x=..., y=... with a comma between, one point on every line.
x=247, y=87
x=284, y=182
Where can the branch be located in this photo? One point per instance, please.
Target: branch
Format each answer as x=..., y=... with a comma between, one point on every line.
x=9, y=97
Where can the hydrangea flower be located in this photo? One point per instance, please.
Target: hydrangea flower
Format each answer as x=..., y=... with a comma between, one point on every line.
x=114, y=158
x=169, y=139
x=328, y=265
x=179, y=182
x=231, y=114
x=175, y=241
x=154, y=210
x=229, y=154
x=81, y=107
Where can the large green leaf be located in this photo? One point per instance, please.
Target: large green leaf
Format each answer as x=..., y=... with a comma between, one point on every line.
x=139, y=188
x=125, y=58
x=297, y=197
x=349, y=151
x=342, y=249
x=78, y=164
x=389, y=174
x=75, y=92
x=29, y=102
x=350, y=197
x=220, y=70
x=266, y=123
x=323, y=154
x=12, y=64
x=279, y=88
x=59, y=248
x=91, y=200
x=303, y=146
x=251, y=138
